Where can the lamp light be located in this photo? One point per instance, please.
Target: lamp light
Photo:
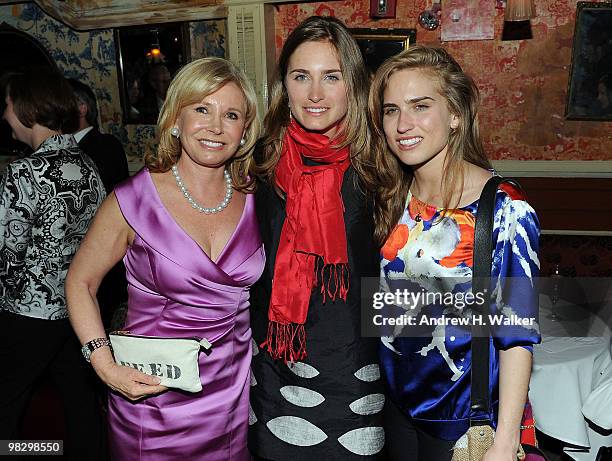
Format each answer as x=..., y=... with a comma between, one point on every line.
x=517, y=25
x=382, y=8
x=519, y=10
x=154, y=53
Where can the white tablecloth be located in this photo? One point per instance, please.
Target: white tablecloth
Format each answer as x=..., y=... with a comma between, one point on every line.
x=565, y=372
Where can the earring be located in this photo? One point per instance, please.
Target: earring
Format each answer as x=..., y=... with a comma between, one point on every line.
x=242, y=142
x=290, y=114
x=175, y=132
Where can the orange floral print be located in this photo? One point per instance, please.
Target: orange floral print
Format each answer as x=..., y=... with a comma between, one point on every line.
x=397, y=240
x=422, y=209
x=465, y=248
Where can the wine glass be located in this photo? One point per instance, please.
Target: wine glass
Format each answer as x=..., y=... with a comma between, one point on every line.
x=555, y=293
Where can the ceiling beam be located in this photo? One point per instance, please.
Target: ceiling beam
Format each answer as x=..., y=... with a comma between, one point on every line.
x=130, y=12
x=104, y=14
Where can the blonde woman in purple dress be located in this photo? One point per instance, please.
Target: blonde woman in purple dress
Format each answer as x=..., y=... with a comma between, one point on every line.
x=186, y=230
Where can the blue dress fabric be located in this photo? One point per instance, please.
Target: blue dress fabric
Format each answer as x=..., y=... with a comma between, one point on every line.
x=427, y=367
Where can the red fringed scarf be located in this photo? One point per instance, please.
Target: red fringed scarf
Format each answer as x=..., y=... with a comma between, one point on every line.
x=312, y=247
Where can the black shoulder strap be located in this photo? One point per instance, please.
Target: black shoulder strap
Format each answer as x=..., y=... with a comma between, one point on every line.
x=481, y=274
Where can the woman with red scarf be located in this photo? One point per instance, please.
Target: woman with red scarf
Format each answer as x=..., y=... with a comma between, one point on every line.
x=316, y=391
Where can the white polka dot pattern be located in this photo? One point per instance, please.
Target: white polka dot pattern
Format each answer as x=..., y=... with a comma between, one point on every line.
x=252, y=417
x=301, y=396
x=368, y=373
x=368, y=405
x=364, y=441
x=303, y=370
x=296, y=431
x=254, y=347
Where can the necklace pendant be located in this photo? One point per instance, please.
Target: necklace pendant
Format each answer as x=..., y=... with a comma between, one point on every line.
x=418, y=218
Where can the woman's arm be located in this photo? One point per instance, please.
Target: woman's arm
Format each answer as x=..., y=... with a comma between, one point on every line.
x=105, y=243
x=515, y=268
x=514, y=374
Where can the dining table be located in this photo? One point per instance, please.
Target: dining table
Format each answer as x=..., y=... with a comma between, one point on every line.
x=573, y=360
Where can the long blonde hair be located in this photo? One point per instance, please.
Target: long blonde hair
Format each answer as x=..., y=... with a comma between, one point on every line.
x=464, y=145
x=194, y=82
x=355, y=132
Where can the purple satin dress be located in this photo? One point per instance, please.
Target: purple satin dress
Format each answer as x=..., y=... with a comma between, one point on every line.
x=175, y=290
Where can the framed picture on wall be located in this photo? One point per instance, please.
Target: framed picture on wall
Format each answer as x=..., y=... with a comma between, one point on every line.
x=376, y=45
x=589, y=95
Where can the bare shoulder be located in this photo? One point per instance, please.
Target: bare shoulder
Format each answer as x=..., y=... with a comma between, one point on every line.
x=164, y=184
x=109, y=218
x=478, y=176
x=161, y=178
x=110, y=208
x=474, y=181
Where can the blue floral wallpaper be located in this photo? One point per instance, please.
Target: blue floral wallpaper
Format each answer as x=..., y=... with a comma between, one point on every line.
x=90, y=57
x=207, y=38
x=86, y=56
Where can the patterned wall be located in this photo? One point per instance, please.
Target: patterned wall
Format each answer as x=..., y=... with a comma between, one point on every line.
x=90, y=57
x=523, y=83
x=86, y=56
x=208, y=38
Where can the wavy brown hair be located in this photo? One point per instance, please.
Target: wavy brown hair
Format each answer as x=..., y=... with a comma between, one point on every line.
x=193, y=83
x=464, y=145
x=355, y=131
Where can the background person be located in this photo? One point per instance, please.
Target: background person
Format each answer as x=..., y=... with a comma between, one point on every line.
x=107, y=153
x=157, y=79
x=185, y=227
x=316, y=391
x=104, y=149
x=432, y=170
x=47, y=201
x=133, y=93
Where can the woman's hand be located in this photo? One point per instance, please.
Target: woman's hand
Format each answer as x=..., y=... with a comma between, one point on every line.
x=501, y=452
x=514, y=373
x=128, y=381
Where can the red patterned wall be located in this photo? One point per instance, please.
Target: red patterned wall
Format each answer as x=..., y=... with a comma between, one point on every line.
x=523, y=83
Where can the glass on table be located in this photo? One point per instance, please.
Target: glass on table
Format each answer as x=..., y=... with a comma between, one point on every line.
x=555, y=293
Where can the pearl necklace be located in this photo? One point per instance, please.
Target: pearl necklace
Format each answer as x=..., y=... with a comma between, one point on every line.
x=196, y=206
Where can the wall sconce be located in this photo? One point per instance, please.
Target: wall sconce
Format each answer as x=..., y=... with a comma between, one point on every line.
x=519, y=10
x=154, y=54
x=382, y=8
x=516, y=20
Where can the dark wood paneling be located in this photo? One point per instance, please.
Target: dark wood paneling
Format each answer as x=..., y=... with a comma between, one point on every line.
x=577, y=204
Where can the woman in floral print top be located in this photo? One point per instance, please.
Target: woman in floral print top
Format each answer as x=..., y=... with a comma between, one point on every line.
x=433, y=166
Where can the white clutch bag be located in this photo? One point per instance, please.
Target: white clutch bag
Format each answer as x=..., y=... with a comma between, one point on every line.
x=173, y=360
